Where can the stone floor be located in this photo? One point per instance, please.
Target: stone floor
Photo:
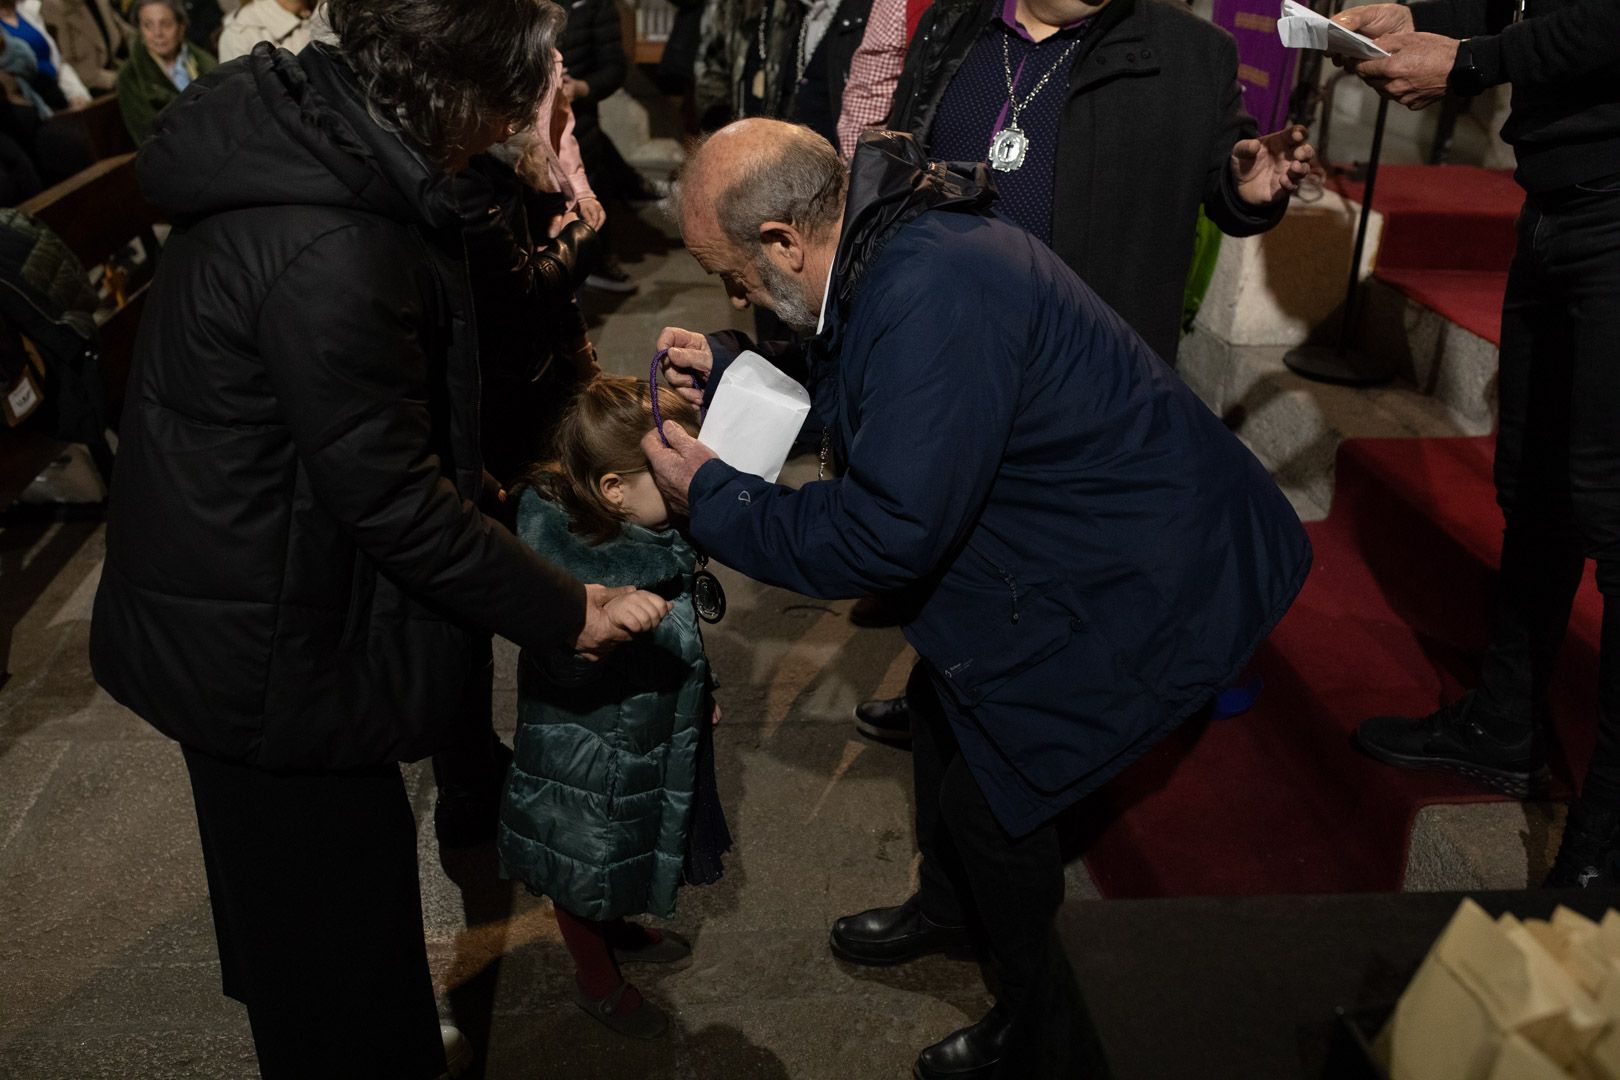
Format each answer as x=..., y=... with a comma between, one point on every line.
x=108, y=960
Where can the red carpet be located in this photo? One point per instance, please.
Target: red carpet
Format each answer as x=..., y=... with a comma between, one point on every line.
x=1391, y=620
x=1448, y=238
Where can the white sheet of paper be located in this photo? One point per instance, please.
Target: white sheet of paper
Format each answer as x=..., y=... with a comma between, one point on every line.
x=756, y=414
x=1302, y=28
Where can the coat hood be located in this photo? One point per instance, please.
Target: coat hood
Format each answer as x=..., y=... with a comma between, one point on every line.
x=891, y=182
x=659, y=560
x=274, y=129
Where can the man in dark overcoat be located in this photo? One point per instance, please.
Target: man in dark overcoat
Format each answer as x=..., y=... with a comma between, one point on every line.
x=1083, y=554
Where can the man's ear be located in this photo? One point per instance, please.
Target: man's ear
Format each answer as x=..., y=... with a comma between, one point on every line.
x=783, y=244
x=611, y=487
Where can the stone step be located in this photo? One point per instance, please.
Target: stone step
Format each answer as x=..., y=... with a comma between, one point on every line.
x=1294, y=425
x=1467, y=846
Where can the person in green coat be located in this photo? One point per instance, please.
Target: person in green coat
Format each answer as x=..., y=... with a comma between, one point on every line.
x=610, y=804
x=161, y=64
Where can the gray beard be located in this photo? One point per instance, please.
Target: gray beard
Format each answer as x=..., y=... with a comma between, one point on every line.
x=787, y=301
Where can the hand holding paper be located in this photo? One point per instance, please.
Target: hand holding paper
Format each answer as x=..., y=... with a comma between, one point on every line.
x=755, y=415
x=1301, y=28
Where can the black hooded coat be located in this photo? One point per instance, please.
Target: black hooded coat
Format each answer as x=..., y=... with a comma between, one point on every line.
x=297, y=572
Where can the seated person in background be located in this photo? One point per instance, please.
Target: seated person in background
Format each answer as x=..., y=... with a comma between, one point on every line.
x=19, y=180
x=55, y=80
x=50, y=153
x=93, y=37
x=161, y=64
x=283, y=23
x=594, y=69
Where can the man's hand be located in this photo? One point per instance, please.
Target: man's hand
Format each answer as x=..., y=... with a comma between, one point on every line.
x=590, y=209
x=1415, y=71
x=1269, y=169
x=1376, y=20
x=613, y=616
x=673, y=466
x=573, y=89
x=688, y=364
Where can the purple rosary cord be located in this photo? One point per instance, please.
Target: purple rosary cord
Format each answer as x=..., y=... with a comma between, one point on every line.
x=652, y=386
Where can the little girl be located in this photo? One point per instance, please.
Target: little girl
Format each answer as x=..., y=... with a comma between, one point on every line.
x=611, y=804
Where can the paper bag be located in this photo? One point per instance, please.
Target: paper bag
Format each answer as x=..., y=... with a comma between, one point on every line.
x=1484, y=983
x=755, y=416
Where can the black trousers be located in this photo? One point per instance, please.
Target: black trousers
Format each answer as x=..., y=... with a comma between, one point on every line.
x=1558, y=456
x=312, y=879
x=973, y=873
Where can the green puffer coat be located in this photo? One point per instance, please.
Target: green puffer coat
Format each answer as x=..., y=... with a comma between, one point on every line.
x=597, y=803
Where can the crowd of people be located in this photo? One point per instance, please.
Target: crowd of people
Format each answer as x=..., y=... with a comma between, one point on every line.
x=367, y=430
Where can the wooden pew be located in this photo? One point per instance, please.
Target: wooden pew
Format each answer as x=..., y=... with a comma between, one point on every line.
x=102, y=125
x=96, y=213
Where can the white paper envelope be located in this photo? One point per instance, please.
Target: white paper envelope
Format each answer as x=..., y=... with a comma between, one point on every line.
x=756, y=414
x=1301, y=28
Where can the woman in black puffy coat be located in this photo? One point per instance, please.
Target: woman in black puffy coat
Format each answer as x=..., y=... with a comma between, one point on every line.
x=299, y=584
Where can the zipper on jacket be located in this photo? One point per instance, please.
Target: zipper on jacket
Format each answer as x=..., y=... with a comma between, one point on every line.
x=1011, y=583
x=1012, y=588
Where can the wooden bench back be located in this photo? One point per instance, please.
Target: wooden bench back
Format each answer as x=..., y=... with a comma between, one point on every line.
x=102, y=124
x=97, y=214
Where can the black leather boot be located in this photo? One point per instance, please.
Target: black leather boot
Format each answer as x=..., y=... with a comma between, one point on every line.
x=894, y=935
x=970, y=1054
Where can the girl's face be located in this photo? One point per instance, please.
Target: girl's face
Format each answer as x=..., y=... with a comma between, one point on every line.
x=637, y=496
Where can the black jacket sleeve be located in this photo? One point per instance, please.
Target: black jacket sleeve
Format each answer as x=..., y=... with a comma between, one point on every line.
x=1231, y=214
x=355, y=396
x=1577, y=41
x=599, y=59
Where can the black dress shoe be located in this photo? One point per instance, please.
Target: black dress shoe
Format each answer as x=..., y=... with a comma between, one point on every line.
x=894, y=935
x=1589, y=854
x=887, y=719
x=1459, y=738
x=970, y=1054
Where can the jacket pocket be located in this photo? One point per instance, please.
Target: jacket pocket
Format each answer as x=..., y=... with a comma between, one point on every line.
x=985, y=625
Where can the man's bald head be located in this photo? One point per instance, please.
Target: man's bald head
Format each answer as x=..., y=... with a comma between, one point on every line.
x=760, y=204
x=755, y=171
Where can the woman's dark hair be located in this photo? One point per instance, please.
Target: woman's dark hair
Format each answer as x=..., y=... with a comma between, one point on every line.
x=600, y=433
x=175, y=6
x=442, y=70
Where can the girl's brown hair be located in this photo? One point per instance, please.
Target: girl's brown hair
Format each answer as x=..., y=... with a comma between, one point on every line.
x=601, y=432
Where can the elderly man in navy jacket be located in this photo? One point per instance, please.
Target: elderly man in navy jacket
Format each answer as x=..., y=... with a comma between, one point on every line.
x=1083, y=553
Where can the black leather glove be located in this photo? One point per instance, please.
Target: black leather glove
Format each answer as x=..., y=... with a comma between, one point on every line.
x=562, y=265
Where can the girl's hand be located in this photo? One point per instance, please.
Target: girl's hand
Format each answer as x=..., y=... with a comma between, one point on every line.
x=613, y=616
x=637, y=612
x=590, y=209
x=714, y=720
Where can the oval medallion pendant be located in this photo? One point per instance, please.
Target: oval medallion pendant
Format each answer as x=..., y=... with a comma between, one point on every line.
x=708, y=597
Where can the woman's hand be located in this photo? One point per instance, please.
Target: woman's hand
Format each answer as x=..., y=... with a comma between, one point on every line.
x=688, y=364
x=714, y=717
